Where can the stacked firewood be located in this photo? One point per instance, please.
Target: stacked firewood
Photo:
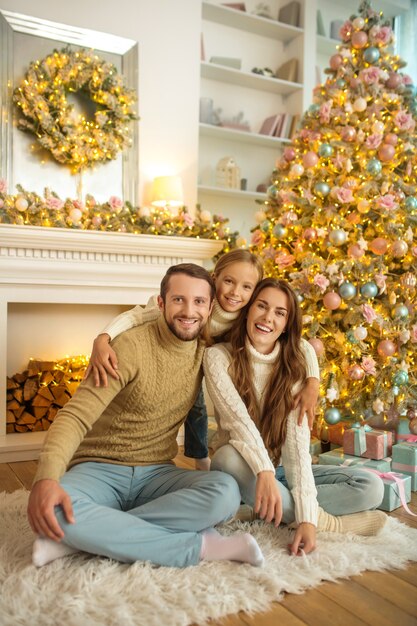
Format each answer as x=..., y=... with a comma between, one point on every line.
x=35, y=396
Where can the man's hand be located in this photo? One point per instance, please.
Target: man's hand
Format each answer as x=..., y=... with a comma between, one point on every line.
x=103, y=361
x=268, y=498
x=304, y=539
x=45, y=495
x=307, y=401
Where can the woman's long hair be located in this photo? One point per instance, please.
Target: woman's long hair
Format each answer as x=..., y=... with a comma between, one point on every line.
x=288, y=369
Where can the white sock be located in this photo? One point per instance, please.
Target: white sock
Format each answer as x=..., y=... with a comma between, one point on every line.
x=45, y=550
x=203, y=464
x=242, y=547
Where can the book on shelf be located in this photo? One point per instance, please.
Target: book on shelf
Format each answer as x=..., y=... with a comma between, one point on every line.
x=288, y=71
x=270, y=125
x=238, y=6
x=290, y=13
x=284, y=130
x=294, y=125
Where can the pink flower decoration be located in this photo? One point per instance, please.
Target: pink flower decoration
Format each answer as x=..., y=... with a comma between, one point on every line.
x=368, y=365
x=257, y=238
x=346, y=30
x=387, y=202
x=115, y=203
x=380, y=282
x=288, y=217
x=79, y=204
x=370, y=75
x=321, y=281
x=188, y=220
x=325, y=112
x=407, y=80
x=382, y=35
x=373, y=141
x=55, y=204
x=283, y=260
x=414, y=333
x=343, y=195
x=404, y=121
x=368, y=313
x=3, y=185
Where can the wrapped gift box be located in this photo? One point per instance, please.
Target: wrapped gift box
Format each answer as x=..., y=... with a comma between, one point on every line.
x=392, y=499
x=368, y=443
x=404, y=460
x=402, y=430
x=315, y=446
x=339, y=457
x=330, y=433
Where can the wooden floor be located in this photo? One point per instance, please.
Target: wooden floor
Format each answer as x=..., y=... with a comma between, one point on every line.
x=378, y=599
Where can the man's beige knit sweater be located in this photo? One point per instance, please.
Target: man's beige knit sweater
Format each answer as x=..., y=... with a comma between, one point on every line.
x=135, y=420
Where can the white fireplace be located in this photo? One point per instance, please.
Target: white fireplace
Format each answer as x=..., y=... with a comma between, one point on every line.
x=48, y=272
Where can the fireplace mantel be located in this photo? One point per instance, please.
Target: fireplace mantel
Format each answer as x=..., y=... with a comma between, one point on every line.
x=54, y=265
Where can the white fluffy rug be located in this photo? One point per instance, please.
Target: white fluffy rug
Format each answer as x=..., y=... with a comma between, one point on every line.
x=81, y=590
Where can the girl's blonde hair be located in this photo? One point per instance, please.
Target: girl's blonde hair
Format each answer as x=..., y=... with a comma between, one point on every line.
x=289, y=369
x=238, y=256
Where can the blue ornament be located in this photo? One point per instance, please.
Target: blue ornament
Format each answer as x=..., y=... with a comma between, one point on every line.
x=371, y=55
x=340, y=83
x=350, y=335
x=272, y=191
x=265, y=226
x=325, y=150
x=279, y=230
x=322, y=189
x=411, y=203
x=347, y=290
x=369, y=290
x=374, y=167
x=400, y=311
x=332, y=416
x=400, y=378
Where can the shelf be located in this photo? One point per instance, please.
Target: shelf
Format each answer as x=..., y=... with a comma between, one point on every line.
x=248, y=79
x=250, y=23
x=231, y=193
x=256, y=139
x=326, y=45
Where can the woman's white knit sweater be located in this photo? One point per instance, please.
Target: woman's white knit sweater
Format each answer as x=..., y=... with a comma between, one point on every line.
x=237, y=428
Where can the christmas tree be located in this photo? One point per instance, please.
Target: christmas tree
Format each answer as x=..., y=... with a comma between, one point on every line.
x=340, y=224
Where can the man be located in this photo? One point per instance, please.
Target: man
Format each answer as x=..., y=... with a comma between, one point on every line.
x=106, y=483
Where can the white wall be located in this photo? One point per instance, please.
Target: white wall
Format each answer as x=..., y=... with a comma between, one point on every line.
x=168, y=33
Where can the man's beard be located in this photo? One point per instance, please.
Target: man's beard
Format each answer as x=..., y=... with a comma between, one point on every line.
x=183, y=334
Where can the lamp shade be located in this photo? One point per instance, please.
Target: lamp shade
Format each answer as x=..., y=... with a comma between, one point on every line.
x=167, y=191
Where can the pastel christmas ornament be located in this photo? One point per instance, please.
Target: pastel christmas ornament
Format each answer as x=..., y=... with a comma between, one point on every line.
x=332, y=300
x=359, y=39
x=96, y=221
x=355, y=251
x=363, y=206
x=347, y=290
x=378, y=127
x=374, y=167
x=310, y=159
x=310, y=234
x=400, y=311
x=371, y=55
x=386, y=348
x=400, y=378
x=332, y=415
x=296, y=170
x=358, y=23
x=379, y=245
x=289, y=154
x=280, y=231
x=335, y=61
x=355, y=82
x=399, y=248
x=391, y=138
x=359, y=105
x=355, y=372
x=411, y=203
x=325, y=150
x=386, y=152
x=348, y=133
x=75, y=215
x=394, y=80
x=260, y=216
x=360, y=333
x=322, y=189
x=317, y=345
x=21, y=203
x=369, y=290
x=338, y=236
x=341, y=83
x=408, y=280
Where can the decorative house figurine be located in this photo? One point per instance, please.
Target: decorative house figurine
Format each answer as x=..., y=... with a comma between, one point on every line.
x=228, y=173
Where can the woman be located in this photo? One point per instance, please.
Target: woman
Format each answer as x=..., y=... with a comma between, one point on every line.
x=253, y=381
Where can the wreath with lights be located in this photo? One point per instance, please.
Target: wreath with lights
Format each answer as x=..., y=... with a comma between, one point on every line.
x=45, y=111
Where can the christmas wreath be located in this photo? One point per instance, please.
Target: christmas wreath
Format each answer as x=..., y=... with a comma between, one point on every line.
x=79, y=141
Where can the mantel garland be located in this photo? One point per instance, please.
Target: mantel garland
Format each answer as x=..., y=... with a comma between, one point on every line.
x=75, y=140
x=30, y=209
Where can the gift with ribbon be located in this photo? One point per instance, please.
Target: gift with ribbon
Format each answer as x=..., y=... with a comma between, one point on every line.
x=367, y=442
x=338, y=457
x=404, y=459
x=402, y=430
x=397, y=491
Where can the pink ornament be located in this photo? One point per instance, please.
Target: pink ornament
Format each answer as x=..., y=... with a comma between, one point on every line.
x=386, y=348
x=355, y=82
x=21, y=203
x=332, y=300
x=335, y=61
x=355, y=251
x=394, y=80
x=289, y=154
x=310, y=159
x=310, y=234
x=348, y=133
x=399, y=248
x=317, y=345
x=359, y=39
x=97, y=221
x=355, y=372
x=359, y=105
x=75, y=215
x=391, y=138
x=379, y=245
x=386, y=152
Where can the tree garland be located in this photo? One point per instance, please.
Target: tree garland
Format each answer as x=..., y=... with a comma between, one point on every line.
x=75, y=140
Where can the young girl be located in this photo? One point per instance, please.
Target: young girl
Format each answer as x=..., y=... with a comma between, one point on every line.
x=236, y=275
x=252, y=381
